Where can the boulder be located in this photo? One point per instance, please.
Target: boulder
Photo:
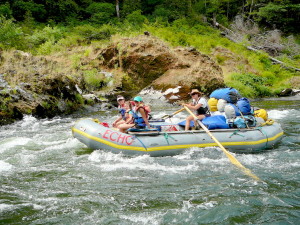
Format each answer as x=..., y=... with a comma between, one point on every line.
x=148, y=61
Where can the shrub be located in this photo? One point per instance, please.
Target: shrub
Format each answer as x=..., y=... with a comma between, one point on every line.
x=5, y=11
x=89, y=32
x=11, y=36
x=47, y=34
x=93, y=79
x=251, y=85
x=101, y=12
x=136, y=18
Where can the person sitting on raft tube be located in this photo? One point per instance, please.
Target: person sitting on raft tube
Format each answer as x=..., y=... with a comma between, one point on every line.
x=199, y=104
x=123, y=107
x=139, y=116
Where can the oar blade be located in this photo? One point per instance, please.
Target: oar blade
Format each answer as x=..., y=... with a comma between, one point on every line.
x=231, y=158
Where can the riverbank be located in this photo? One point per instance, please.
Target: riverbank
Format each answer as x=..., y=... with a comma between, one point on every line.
x=60, y=76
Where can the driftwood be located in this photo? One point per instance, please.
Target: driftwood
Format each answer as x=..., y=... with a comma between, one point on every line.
x=226, y=33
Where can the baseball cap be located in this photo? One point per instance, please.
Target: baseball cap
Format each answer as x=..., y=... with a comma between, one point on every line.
x=120, y=97
x=138, y=99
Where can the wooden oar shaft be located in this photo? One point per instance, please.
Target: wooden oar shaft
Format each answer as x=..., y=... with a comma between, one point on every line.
x=174, y=113
x=232, y=159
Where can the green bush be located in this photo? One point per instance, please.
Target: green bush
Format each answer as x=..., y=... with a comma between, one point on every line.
x=163, y=13
x=251, y=85
x=47, y=34
x=11, y=35
x=90, y=32
x=5, y=11
x=93, y=79
x=136, y=18
x=101, y=12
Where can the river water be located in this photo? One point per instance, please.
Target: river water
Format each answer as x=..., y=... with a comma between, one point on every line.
x=48, y=177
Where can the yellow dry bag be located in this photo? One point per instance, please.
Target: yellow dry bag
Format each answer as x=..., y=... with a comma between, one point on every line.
x=212, y=102
x=261, y=113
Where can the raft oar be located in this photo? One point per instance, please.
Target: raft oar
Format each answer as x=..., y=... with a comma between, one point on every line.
x=232, y=159
x=174, y=113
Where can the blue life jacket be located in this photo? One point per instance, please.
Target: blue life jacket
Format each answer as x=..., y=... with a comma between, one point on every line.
x=138, y=120
x=122, y=111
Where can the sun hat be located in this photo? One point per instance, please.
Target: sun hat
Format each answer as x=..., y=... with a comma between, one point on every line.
x=120, y=97
x=138, y=99
x=196, y=91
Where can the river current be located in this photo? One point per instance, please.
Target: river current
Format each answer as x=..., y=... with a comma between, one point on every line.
x=48, y=177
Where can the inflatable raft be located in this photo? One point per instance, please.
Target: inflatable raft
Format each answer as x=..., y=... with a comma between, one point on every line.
x=173, y=141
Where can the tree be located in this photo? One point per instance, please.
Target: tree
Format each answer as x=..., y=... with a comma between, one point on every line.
x=101, y=12
x=129, y=6
x=281, y=15
x=136, y=18
x=20, y=9
x=5, y=11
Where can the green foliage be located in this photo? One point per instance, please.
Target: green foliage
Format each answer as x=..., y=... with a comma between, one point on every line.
x=163, y=13
x=6, y=11
x=79, y=99
x=20, y=8
x=90, y=32
x=93, y=79
x=283, y=15
x=46, y=48
x=11, y=35
x=129, y=6
x=47, y=34
x=250, y=85
x=101, y=12
x=136, y=18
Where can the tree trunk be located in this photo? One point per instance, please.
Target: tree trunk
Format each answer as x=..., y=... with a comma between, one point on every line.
x=214, y=19
x=118, y=8
x=250, y=10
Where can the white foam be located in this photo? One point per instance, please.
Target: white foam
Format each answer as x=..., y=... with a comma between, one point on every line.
x=4, y=166
x=47, y=122
x=13, y=142
x=7, y=207
x=28, y=120
x=69, y=143
x=278, y=114
x=144, y=218
x=207, y=205
x=4, y=207
x=113, y=162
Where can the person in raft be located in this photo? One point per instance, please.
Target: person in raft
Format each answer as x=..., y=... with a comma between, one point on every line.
x=139, y=114
x=123, y=107
x=199, y=104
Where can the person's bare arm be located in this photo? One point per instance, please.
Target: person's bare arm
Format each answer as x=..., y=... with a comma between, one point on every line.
x=193, y=107
x=142, y=111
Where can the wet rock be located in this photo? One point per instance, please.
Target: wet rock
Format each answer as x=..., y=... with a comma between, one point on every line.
x=289, y=92
x=286, y=92
x=91, y=97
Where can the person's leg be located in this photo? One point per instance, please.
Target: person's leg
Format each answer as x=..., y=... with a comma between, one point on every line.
x=119, y=123
x=201, y=117
x=187, y=122
x=197, y=125
x=123, y=127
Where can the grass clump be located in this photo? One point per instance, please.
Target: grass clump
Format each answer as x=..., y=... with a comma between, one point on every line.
x=94, y=80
